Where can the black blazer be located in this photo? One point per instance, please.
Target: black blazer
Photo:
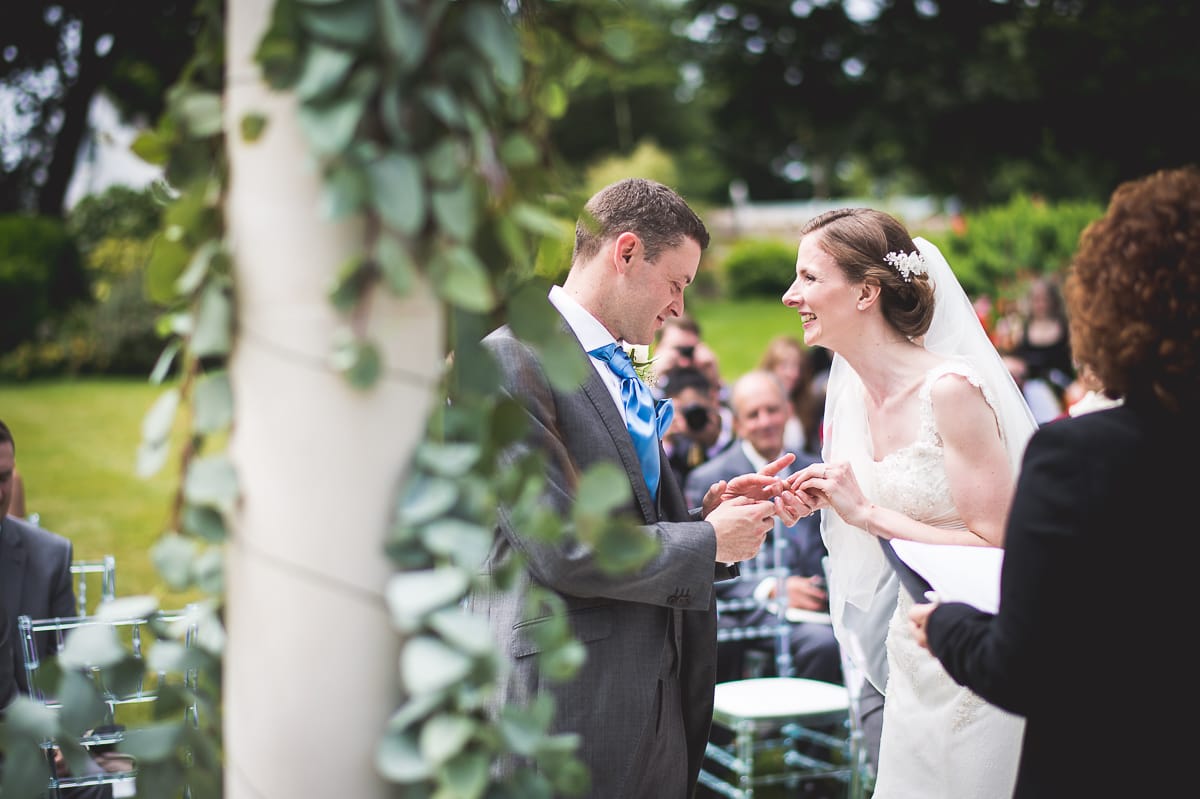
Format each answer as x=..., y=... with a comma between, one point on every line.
x=1097, y=607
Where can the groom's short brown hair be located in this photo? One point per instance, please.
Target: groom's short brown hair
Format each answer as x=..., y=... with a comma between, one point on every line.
x=656, y=213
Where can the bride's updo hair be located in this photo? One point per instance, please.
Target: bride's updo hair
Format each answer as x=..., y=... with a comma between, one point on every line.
x=858, y=240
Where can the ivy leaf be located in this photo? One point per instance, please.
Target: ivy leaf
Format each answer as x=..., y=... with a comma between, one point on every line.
x=204, y=523
x=537, y=220
x=562, y=662
x=413, y=595
x=324, y=70
x=347, y=22
x=201, y=113
x=212, y=403
x=167, y=262
x=445, y=161
x=442, y=102
x=404, y=35
x=444, y=736
x=397, y=265
x=92, y=646
x=456, y=210
x=565, y=365
x=523, y=729
x=602, y=488
x=152, y=147
x=623, y=549
x=165, y=359
x=399, y=759
x=530, y=313
x=490, y=31
x=552, y=99
x=450, y=460
x=172, y=556
x=330, y=124
x=461, y=279
x=466, y=775
x=427, y=498
x=127, y=607
x=427, y=665
x=358, y=360
x=519, y=150
x=214, y=323
x=345, y=191
x=466, y=543
x=253, y=126
x=211, y=481
x=397, y=192
x=197, y=268
x=152, y=742
x=466, y=631
x=618, y=42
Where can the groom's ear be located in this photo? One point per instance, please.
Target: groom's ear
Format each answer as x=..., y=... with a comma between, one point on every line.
x=624, y=249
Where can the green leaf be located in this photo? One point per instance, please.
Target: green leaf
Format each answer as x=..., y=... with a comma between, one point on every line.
x=92, y=645
x=345, y=191
x=163, y=365
x=253, y=126
x=552, y=99
x=530, y=313
x=523, y=729
x=562, y=662
x=167, y=262
x=348, y=22
x=565, y=365
x=461, y=279
x=201, y=112
x=404, y=35
x=82, y=707
x=468, y=632
x=466, y=776
x=211, y=480
x=214, y=324
x=426, y=498
x=397, y=265
x=212, y=403
x=358, y=361
x=204, y=523
x=456, y=210
x=450, y=460
x=153, y=742
x=198, y=268
x=399, y=759
x=518, y=150
x=618, y=41
x=446, y=161
x=397, y=192
x=538, y=220
x=603, y=487
x=467, y=543
x=444, y=105
x=412, y=595
x=158, y=421
x=152, y=147
x=427, y=665
x=172, y=555
x=330, y=125
x=348, y=283
x=444, y=736
x=622, y=549
x=490, y=31
x=325, y=68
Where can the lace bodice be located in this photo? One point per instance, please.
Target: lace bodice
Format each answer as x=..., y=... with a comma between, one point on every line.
x=913, y=480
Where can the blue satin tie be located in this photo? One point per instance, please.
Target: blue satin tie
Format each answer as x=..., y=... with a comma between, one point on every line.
x=646, y=419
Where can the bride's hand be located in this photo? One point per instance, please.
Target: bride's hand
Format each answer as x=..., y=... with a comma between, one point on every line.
x=839, y=487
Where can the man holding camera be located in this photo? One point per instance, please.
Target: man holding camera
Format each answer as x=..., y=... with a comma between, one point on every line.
x=699, y=430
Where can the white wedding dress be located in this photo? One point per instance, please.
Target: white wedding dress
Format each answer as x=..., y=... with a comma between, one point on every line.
x=940, y=740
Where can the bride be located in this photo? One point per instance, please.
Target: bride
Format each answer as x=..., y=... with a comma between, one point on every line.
x=924, y=431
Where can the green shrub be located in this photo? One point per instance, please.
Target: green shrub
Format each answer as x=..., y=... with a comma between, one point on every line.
x=118, y=212
x=759, y=268
x=41, y=276
x=1000, y=247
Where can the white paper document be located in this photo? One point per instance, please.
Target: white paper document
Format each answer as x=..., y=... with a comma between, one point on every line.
x=957, y=573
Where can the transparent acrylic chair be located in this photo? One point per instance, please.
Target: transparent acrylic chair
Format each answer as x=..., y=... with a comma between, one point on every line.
x=772, y=734
x=103, y=573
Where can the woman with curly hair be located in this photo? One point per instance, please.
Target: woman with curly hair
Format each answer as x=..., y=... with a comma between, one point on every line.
x=1101, y=498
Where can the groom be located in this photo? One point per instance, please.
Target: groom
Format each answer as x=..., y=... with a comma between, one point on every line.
x=642, y=701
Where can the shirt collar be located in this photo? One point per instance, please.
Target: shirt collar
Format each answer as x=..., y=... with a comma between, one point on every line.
x=587, y=328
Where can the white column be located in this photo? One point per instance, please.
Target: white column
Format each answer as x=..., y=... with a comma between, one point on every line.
x=310, y=672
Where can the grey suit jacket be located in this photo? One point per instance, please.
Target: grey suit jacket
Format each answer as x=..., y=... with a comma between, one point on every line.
x=35, y=581
x=627, y=623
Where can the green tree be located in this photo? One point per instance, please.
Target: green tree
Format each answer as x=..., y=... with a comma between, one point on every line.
x=58, y=54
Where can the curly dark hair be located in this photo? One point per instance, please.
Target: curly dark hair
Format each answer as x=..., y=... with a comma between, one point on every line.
x=656, y=213
x=858, y=239
x=1133, y=292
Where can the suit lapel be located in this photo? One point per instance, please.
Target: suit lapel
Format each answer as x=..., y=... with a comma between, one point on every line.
x=602, y=401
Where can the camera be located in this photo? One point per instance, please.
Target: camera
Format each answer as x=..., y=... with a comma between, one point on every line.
x=687, y=352
x=696, y=416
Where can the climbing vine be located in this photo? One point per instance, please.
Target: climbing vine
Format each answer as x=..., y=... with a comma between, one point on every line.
x=429, y=121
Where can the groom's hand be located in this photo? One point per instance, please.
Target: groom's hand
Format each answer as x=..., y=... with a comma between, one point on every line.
x=740, y=525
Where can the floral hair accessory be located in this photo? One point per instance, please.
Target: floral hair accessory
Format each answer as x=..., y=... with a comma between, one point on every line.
x=906, y=263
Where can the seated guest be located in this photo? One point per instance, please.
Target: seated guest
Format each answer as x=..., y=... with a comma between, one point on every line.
x=760, y=413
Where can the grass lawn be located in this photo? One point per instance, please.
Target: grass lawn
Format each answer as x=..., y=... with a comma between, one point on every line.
x=77, y=446
x=739, y=331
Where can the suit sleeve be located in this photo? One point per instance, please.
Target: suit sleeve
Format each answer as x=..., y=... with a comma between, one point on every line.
x=684, y=565
x=1003, y=657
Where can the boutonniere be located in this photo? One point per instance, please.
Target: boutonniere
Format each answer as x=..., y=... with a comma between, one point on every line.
x=644, y=369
